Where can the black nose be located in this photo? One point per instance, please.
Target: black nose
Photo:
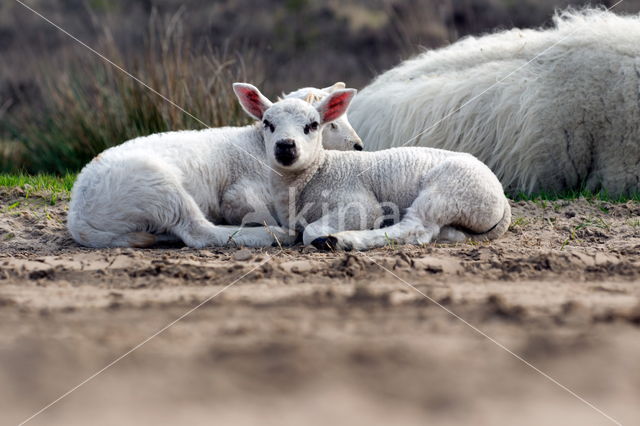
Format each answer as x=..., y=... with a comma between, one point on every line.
x=285, y=151
x=286, y=144
x=358, y=147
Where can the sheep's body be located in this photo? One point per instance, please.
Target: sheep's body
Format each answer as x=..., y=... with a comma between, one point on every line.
x=439, y=195
x=570, y=117
x=180, y=184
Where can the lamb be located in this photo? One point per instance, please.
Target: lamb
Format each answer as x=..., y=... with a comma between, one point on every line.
x=568, y=120
x=185, y=185
x=440, y=194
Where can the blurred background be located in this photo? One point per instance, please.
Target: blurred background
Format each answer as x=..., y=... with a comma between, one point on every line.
x=60, y=104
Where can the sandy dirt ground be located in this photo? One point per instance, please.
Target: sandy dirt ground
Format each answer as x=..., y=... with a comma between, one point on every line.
x=296, y=336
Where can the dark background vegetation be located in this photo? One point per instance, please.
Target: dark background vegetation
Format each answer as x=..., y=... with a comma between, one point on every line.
x=60, y=104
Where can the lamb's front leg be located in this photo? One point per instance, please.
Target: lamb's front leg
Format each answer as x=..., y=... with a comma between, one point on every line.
x=407, y=231
x=317, y=232
x=360, y=214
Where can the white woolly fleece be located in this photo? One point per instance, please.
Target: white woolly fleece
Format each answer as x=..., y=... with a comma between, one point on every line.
x=569, y=118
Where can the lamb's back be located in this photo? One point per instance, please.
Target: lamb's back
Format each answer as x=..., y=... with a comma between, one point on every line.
x=394, y=175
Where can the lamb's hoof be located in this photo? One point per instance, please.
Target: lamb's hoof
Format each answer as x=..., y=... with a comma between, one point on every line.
x=325, y=243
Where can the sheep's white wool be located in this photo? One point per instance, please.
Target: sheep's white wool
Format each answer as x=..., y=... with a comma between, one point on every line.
x=178, y=184
x=570, y=117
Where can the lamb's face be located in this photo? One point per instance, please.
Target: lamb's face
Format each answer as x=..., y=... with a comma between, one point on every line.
x=292, y=128
x=341, y=136
x=292, y=134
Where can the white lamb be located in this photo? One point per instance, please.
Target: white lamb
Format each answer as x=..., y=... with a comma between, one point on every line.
x=336, y=198
x=184, y=184
x=568, y=119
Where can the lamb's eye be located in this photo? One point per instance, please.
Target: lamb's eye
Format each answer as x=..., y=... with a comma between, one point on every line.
x=333, y=126
x=311, y=127
x=268, y=125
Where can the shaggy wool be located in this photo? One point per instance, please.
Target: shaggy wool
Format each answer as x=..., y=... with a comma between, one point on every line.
x=547, y=110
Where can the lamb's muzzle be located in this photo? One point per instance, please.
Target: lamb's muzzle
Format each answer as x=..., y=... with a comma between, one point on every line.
x=285, y=152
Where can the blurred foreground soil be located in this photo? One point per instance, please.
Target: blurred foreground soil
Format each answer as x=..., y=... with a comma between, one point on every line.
x=316, y=338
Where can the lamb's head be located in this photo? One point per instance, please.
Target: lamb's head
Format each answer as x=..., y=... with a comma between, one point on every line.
x=293, y=128
x=339, y=134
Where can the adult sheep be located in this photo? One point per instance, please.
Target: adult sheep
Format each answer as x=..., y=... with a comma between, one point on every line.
x=547, y=110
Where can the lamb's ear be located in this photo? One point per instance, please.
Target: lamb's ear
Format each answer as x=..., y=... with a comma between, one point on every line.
x=252, y=101
x=336, y=104
x=337, y=86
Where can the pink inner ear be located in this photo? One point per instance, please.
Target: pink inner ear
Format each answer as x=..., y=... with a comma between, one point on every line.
x=252, y=102
x=336, y=107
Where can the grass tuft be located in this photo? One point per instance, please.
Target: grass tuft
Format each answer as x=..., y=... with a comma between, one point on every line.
x=90, y=106
x=542, y=198
x=38, y=183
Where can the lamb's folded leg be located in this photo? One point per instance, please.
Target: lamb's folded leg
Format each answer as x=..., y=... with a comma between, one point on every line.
x=259, y=236
x=196, y=231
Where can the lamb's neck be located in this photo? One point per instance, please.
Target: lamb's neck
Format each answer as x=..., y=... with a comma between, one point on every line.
x=296, y=181
x=287, y=188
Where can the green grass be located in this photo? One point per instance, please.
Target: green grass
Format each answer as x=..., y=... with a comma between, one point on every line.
x=596, y=222
x=57, y=185
x=519, y=222
x=36, y=183
x=542, y=198
x=390, y=242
